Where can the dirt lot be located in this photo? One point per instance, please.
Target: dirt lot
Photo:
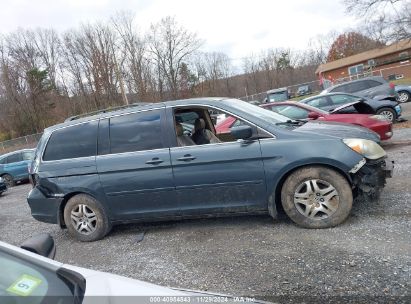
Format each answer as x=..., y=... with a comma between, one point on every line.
x=367, y=258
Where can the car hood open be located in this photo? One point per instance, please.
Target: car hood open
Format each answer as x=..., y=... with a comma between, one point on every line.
x=337, y=129
x=360, y=106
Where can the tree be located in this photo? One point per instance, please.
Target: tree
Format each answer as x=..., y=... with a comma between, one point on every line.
x=171, y=44
x=351, y=43
x=389, y=20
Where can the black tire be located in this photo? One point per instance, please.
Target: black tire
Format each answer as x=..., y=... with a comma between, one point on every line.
x=98, y=226
x=403, y=96
x=339, y=203
x=9, y=180
x=386, y=111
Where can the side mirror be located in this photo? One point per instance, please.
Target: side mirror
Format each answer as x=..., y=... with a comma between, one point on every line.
x=241, y=132
x=313, y=115
x=42, y=244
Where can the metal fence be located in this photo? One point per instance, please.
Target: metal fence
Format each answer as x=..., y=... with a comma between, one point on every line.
x=28, y=141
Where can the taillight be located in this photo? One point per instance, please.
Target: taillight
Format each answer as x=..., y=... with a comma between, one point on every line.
x=392, y=86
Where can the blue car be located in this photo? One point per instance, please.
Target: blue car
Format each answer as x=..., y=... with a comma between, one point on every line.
x=14, y=166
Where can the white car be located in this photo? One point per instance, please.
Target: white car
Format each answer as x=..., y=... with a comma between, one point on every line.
x=29, y=277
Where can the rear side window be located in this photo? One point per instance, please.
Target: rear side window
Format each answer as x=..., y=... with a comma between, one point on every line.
x=373, y=83
x=14, y=158
x=72, y=142
x=136, y=132
x=28, y=155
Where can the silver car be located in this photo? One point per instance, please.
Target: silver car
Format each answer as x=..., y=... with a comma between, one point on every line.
x=365, y=87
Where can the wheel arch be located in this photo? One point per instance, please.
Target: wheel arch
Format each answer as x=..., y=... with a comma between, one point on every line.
x=276, y=200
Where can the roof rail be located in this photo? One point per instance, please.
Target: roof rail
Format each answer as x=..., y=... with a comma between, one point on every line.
x=132, y=105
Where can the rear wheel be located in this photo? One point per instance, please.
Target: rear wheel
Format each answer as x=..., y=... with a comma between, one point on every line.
x=86, y=219
x=8, y=179
x=389, y=113
x=316, y=197
x=403, y=96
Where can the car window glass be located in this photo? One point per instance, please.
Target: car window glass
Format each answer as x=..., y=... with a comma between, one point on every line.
x=136, y=132
x=318, y=102
x=292, y=112
x=3, y=161
x=72, y=142
x=20, y=279
x=373, y=83
x=342, y=99
x=341, y=88
x=14, y=158
x=28, y=155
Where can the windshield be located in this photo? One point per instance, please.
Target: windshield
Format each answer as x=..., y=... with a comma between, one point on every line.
x=25, y=282
x=257, y=111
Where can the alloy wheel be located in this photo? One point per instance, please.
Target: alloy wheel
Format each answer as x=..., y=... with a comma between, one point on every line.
x=403, y=97
x=388, y=115
x=316, y=199
x=83, y=219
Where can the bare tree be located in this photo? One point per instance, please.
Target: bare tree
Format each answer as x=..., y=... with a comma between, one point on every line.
x=170, y=45
x=390, y=19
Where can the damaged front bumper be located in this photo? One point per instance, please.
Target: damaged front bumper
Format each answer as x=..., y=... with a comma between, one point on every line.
x=371, y=176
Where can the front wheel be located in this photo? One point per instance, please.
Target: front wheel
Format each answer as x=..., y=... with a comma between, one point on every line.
x=86, y=219
x=316, y=197
x=390, y=114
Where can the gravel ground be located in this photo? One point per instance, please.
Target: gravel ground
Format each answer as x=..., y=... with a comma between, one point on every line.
x=366, y=259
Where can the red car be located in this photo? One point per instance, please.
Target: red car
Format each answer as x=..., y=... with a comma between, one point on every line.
x=295, y=110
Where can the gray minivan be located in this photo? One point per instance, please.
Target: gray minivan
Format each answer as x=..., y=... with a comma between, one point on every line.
x=139, y=164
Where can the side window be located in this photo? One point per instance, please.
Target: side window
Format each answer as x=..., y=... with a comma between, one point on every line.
x=341, y=88
x=3, y=161
x=373, y=83
x=342, y=99
x=72, y=142
x=28, y=155
x=136, y=132
x=14, y=158
x=358, y=86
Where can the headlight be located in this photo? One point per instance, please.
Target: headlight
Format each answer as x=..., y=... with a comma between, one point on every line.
x=365, y=147
x=380, y=117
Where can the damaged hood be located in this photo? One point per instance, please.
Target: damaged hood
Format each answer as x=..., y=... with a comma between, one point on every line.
x=337, y=129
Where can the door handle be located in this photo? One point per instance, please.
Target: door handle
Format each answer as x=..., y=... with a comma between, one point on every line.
x=154, y=161
x=187, y=157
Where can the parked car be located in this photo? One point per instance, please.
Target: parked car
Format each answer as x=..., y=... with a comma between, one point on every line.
x=297, y=110
x=403, y=93
x=137, y=164
x=329, y=102
x=304, y=90
x=30, y=275
x=3, y=186
x=316, y=126
x=14, y=166
x=365, y=87
x=277, y=95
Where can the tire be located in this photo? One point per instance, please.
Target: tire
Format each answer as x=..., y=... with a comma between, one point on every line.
x=9, y=180
x=389, y=113
x=91, y=218
x=403, y=96
x=327, y=207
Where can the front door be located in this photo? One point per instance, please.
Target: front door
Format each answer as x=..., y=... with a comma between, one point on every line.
x=134, y=166
x=219, y=177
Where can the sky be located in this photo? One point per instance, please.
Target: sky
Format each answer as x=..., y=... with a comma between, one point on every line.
x=238, y=28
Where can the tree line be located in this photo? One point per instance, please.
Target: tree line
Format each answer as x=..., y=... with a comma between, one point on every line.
x=47, y=76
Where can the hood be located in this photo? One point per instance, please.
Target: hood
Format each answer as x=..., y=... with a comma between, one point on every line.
x=338, y=129
x=360, y=106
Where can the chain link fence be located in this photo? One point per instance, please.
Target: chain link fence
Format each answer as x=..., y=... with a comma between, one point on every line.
x=28, y=141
